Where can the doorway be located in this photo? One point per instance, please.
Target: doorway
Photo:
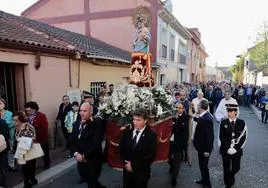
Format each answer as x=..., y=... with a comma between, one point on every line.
x=12, y=85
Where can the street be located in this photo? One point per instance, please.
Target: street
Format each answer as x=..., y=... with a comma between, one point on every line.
x=253, y=173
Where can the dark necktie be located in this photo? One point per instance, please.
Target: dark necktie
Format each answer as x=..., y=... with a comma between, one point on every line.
x=135, y=139
x=232, y=125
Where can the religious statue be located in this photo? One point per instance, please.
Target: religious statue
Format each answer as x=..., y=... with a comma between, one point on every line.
x=142, y=37
x=140, y=71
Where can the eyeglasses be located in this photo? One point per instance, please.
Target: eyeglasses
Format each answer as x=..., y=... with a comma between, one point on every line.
x=180, y=108
x=231, y=110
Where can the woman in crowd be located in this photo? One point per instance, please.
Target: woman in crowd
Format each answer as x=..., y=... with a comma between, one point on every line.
x=7, y=117
x=264, y=108
x=24, y=129
x=39, y=121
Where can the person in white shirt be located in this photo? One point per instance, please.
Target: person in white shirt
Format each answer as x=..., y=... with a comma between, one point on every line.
x=195, y=103
x=221, y=112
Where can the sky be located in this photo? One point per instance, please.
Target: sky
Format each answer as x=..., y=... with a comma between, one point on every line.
x=228, y=27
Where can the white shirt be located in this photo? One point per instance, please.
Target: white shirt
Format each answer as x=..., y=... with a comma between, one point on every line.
x=221, y=112
x=196, y=101
x=232, y=120
x=203, y=113
x=139, y=135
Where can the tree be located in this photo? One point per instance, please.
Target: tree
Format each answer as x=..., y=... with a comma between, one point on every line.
x=237, y=70
x=259, y=53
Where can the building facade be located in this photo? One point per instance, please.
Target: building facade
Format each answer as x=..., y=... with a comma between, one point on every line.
x=194, y=55
x=41, y=63
x=171, y=48
x=110, y=21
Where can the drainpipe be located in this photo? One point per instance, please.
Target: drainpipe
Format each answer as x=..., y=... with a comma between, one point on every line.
x=70, y=72
x=79, y=65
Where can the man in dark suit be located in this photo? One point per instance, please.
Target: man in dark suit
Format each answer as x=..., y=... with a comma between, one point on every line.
x=179, y=144
x=203, y=141
x=64, y=108
x=208, y=96
x=138, y=151
x=87, y=146
x=233, y=135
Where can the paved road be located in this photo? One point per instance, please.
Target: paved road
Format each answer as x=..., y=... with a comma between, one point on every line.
x=253, y=173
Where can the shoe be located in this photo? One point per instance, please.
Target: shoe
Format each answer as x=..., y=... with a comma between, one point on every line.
x=27, y=184
x=81, y=181
x=47, y=166
x=34, y=182
x=99, y=185
x=70, y=156
x=200, y=182
x=10, y=169
x=206, y=186
x=173, y=182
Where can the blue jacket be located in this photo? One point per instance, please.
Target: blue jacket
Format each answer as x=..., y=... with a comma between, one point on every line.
x=11, y=126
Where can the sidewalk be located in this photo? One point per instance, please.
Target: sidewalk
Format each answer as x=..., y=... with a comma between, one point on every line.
x=256, y=111
x=51, y=174
x=58, y=158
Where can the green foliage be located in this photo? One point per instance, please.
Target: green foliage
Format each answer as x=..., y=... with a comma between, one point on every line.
x=237, y=70
x=259, y=54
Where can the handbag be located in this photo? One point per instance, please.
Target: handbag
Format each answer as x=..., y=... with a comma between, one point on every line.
x=34, y=153
x=3, y=144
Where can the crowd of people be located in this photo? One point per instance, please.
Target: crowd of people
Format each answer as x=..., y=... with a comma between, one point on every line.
x=84, y=131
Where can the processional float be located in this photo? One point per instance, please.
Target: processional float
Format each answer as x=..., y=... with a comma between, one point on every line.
x=141, y=75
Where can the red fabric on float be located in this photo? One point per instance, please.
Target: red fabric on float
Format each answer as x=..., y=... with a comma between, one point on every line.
x=162, y=128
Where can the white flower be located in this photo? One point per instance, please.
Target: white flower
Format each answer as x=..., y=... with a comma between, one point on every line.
x=159, y=110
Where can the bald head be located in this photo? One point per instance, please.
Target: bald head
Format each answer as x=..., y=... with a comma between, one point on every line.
x=86, y=111
x=200, y=94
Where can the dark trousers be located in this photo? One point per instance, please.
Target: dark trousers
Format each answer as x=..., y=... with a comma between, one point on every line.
x=240, y=99
x=248, y=99
x=211, y=108
x=231, y=165
x=175, y=163
x=90, y=173
x=203, y=166
x=65, y=134
x=135, y=180
x=29, y=171
x=2, y=171
x=264, y=115
x=46, y=157
x=70, y=137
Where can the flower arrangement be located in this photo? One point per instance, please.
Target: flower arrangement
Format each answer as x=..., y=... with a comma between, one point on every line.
x=126, y=98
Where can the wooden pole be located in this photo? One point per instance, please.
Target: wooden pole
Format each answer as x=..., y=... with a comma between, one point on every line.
x=190, y=135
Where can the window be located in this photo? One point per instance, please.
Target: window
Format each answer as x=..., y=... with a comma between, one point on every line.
x=182, y=59
x=95, y=87
x=172, y=47
x=172, y=54
x=164, y=51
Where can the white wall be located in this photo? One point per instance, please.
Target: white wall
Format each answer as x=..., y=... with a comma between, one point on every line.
x=180, y=46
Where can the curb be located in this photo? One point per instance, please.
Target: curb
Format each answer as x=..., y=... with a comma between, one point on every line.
x=52, y=173
x=256, y=111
